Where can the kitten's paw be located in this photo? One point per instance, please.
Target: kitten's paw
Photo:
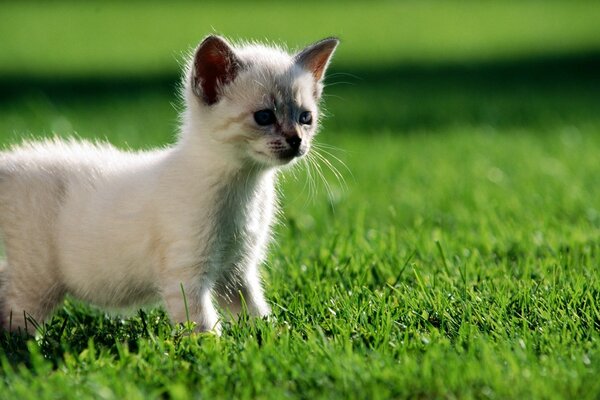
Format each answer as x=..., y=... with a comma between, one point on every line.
x=195, y=328
x=270, y=318
x=260, y=309
x=214, y=327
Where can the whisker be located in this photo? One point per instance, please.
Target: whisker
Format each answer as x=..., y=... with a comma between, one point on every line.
x=338, y=175
x=340, y=83
x=340, y=179
x=317, y=177
x=328, y=146
x=333, y=96
x=309, y=179
x=336, y=158
x=319, y=173
x=327, y=186
x=334, y=74
x=306, y=183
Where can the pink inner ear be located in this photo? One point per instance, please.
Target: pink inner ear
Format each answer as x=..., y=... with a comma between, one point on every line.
x=214, y=65
x=318, y=64
x=315, y=58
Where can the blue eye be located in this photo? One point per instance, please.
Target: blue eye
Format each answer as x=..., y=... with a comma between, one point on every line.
x=265, y=117
x=305, y=118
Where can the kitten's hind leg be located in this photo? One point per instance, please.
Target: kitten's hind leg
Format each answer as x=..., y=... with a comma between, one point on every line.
x=25, y=301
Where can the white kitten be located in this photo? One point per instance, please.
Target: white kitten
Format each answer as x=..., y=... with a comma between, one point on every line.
x=121, y=229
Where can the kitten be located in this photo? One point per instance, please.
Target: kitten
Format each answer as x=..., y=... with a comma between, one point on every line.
x=122, y=229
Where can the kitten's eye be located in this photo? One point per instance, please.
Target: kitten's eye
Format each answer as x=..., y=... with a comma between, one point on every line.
x=305, y=118
x=265, y=117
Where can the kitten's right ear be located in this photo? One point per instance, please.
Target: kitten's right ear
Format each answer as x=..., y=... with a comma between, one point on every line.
x=215, y=64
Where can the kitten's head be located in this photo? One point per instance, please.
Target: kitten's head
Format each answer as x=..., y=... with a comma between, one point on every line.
x=260, y=102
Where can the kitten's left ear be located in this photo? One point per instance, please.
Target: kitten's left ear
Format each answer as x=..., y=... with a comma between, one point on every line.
x=215, y=64
x=315, y=58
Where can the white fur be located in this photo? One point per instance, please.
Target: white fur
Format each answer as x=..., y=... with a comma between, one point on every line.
x=121, y=229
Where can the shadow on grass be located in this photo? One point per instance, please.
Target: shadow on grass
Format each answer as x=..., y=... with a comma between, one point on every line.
x=561, y=90
x=535, y=93
x=72, y=330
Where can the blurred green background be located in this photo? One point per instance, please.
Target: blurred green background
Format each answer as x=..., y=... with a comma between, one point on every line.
x=110, y=38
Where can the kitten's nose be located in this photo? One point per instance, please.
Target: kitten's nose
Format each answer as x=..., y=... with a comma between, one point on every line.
x=294, y=142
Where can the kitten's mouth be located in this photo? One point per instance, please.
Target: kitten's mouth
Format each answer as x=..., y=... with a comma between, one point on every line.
x=291, y=154
x=280, y=157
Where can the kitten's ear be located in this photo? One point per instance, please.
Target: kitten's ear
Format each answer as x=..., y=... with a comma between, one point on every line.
x=215, y=64
x=315, y=58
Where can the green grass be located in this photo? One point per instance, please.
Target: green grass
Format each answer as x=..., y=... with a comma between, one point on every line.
x=459, y=259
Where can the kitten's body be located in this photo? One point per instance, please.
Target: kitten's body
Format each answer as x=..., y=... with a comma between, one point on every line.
x=121, y=229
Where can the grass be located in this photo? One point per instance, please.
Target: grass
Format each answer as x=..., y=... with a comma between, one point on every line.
x=458, y=260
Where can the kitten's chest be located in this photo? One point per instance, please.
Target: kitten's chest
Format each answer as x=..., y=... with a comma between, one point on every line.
x=236, y=227
x=240, y=225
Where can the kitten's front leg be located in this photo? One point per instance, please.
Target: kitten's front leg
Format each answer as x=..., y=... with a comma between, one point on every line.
x=253, y=293
x=189, y=300
x=247, y=290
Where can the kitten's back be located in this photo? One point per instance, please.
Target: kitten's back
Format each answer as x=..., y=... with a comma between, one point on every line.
x=35, y=177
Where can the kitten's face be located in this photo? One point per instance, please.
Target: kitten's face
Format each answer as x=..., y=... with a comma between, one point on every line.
x=265, y=105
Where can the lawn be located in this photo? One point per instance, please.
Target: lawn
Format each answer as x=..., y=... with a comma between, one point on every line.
x=455, y=253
